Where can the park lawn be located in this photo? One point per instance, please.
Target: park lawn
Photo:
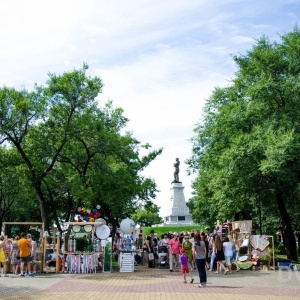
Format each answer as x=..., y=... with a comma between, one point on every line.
x=159, y=231
x=284, y=258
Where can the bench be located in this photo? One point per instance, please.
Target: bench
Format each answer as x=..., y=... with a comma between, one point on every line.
x=285, y=265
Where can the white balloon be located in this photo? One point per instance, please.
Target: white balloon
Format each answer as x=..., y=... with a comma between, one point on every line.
x=88, y=211
x=98, y=206
x=79, y=209
x=103, y=232
x=127, y=226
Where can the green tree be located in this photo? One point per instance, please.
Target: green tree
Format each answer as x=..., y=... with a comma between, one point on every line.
x=147, y=216
x=39, y=124
x=246, y=151
x=104, y=165
x=72, y=152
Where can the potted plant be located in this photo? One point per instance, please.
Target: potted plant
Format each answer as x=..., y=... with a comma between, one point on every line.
x=265, y=261
x=81, y=243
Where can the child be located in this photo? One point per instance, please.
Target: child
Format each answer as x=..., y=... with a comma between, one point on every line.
x=184, y=265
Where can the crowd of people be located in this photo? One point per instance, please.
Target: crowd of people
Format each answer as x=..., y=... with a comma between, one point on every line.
x=19, y=254
x=194, y=250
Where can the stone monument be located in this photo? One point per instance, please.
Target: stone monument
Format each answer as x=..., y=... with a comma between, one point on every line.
x=179, y=213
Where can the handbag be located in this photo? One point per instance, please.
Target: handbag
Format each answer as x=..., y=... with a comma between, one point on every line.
x=150, y=256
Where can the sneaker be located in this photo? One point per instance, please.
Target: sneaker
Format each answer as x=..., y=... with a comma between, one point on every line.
x=22, y=275
x=31, y=275
x=5, y=275
x=171, y=270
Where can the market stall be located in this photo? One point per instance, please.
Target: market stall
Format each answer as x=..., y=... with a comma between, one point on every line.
x=35, y=228
x=253, y=249
x=86, y=257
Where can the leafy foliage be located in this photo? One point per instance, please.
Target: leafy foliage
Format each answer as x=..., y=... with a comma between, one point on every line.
x=68, y=151
x=147, y=216
x=246, y=151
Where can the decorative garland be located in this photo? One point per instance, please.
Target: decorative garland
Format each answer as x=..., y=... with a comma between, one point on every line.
x=81, y=263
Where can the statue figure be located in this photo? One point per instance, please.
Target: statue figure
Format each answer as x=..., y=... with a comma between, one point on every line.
x=176, y=170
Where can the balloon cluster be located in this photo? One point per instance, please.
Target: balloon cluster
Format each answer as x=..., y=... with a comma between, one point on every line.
x=88, y=215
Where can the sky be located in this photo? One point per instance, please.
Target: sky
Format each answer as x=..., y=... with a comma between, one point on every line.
x=159, y=60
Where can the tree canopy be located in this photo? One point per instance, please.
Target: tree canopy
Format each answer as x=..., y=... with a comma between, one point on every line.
x=246, y=150
x=66, y=151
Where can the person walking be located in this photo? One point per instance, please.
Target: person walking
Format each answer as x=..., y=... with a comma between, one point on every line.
x=33, y=251
x=174, y=248
x=184, y=266
x=192, y=241
x=213, y=252
x=188, y=247
x=14, y=254
x=150, y=249
x=200, y=258
x=8, y=246
x=25, y=254
x=220, y=255
x=203, y=238
x=228, y=253
x=234, y=254
x=3, y=256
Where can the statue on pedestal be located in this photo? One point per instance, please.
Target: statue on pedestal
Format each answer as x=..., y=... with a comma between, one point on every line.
x=176, y=171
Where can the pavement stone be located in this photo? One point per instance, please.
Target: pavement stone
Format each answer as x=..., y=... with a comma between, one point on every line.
x=152, y=284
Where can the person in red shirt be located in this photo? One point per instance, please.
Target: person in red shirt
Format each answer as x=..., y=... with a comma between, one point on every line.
x=25, y=254
x=174, y=248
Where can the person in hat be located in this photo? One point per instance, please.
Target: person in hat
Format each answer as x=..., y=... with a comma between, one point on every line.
x=184, y=265
x=188, y=247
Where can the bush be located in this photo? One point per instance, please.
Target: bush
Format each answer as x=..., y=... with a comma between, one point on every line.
x=280, y=249
x=265, y=260
x=82, y=244
x=159, y=231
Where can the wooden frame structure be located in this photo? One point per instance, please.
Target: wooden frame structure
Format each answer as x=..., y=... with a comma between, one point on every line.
x=23, y=223
x=29, y=224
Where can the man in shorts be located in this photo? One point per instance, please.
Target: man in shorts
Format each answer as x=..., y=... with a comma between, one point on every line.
x=25, y=254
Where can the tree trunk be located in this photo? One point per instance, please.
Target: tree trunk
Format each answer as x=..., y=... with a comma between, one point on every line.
x=40, y=197
x=290, y=241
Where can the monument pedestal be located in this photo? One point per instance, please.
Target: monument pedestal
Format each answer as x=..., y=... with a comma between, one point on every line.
x=180, y=213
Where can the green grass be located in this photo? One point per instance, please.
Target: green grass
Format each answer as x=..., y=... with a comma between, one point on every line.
x=282, y=257
x=280, y=253
x=159, y=231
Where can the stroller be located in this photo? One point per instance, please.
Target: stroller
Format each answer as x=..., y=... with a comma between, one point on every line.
x=163, y=257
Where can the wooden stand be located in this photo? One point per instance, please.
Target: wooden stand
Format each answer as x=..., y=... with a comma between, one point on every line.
x=72, y=260
x=55, y=246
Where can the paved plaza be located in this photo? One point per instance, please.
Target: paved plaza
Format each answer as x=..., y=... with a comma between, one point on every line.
x=152, y=284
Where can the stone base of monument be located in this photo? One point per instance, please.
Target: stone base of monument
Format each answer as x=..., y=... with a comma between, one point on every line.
x=179, y=213
x=179, y=219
